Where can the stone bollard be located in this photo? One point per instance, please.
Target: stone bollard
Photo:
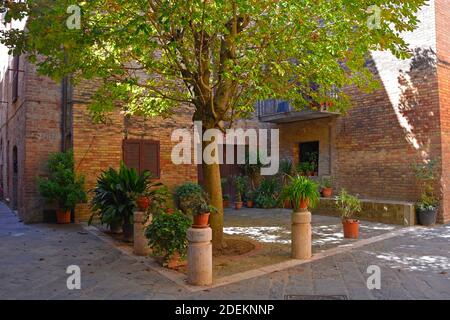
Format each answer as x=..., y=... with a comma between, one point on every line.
x=140, y=241
x=199, y=256
x=301, y=235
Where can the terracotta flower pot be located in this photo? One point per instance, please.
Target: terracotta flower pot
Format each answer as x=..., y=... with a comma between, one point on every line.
x=250, y=203
x=226, y=203
x=63, y=216
x=304, y=204
x=287, y=204
x=351, y=228
x=238, y=205
x=327, y=192
x=201, y=220
x=143, y=203
x=175, y=261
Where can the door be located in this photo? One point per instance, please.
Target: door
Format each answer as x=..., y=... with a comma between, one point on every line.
x=227, y=171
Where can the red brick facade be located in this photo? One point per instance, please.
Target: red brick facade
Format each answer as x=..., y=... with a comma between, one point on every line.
x=369, y=151
x=443, y=75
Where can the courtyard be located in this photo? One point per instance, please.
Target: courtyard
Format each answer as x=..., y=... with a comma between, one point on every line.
x=414, y=264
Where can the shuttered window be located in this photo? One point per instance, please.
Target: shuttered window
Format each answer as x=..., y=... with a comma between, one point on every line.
x=143, y=155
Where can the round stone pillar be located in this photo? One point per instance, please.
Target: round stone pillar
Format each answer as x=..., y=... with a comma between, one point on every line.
x=301, y=235
x=140, y=241
x=199, y=256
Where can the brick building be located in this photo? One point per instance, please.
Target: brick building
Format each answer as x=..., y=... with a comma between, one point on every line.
x=369, y=151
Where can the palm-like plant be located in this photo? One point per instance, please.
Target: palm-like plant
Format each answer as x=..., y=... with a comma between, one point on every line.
x=301, y=189
x=114, y=199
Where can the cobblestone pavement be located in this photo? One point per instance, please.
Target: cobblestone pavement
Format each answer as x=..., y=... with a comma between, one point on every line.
x=34, y=258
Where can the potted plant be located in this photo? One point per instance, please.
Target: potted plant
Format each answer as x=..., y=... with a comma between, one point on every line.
x=303, y=168
x=327, y=190
x=115, y=197
x=426, y=207
x=285, y=171
x=268, y=193
x=62, y=186
x=302, y=192
x=348, y=206
x=167, y=237
x=143, y=202
x=225, y=196
x=240, y=185
x=250, y=197
x=185, y=194
x=226, y=200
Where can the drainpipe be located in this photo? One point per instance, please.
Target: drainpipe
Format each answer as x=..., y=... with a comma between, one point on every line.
x=63, y=113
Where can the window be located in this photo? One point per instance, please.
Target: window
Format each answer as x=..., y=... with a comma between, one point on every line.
x=143, y=155
x=309, y=152
x=15, y=78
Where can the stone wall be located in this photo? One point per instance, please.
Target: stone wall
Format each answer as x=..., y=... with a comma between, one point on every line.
x=392, y=212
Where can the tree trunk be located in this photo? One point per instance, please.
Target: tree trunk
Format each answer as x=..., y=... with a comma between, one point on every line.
x=211, y=178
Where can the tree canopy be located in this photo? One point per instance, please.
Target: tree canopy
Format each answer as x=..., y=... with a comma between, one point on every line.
x=221, y=56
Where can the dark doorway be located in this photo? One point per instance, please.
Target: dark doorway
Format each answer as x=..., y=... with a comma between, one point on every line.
x=15, y=179
x=227, y=171
x=309, y=152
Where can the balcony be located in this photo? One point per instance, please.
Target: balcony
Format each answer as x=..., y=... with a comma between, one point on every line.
x=279, y=111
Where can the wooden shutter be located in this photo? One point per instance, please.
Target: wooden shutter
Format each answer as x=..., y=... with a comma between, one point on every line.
x=131, y=153
x=150, y=157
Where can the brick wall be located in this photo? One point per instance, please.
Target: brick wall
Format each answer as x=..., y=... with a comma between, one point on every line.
x=443, y=72
x=372, y=148
x=99, y=146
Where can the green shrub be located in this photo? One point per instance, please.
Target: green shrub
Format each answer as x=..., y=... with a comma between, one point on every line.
x=114, y=196
x=301, y=188
x=347, y=204
x=267, y=194
x=241, y=185
x=190, y=197
x=62, y=185
x=167, y=234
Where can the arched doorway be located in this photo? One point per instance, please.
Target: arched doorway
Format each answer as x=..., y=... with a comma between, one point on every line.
x=15, y=179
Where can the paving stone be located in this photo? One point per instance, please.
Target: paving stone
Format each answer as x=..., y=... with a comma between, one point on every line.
x=34, y=259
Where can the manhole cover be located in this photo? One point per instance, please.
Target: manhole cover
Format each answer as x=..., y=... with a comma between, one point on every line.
x=314, y=297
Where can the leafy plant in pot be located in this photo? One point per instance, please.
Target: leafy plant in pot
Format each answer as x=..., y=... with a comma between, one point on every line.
x=241, y=185
x=302, y=192
x=348, y=206
x=250, y=197
x=268, y=193
x=186, y=193
x=285, y=171
x=62, y=186
x=327, y=189
x=114, y=197
x=167, y=237
x=426, y=207
x=225, y=196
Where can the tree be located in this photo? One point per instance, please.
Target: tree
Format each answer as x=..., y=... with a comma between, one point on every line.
x=220, y=56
